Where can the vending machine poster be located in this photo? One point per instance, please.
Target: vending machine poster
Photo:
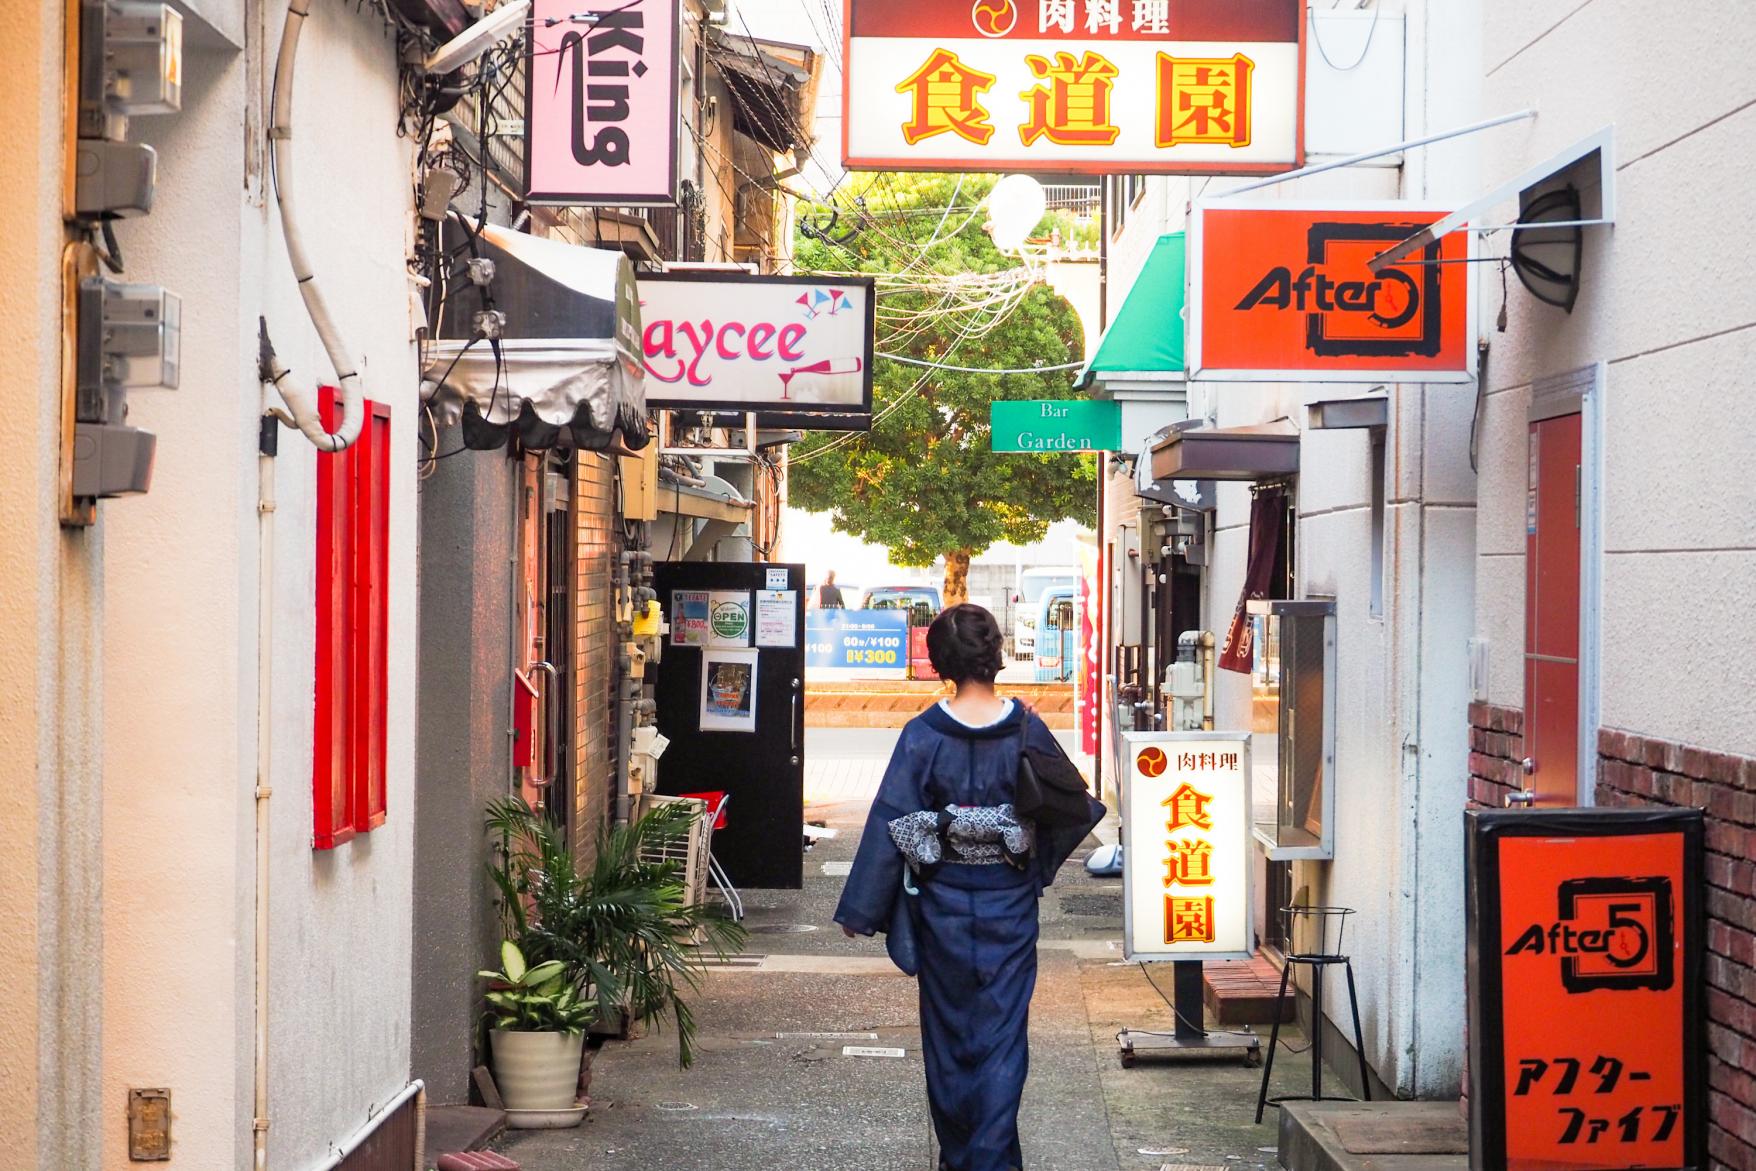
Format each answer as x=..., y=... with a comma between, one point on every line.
x=1186, y=846
x=689, y=612
x=1585, y=943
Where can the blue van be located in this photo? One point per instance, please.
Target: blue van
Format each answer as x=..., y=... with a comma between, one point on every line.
x=1057, y=635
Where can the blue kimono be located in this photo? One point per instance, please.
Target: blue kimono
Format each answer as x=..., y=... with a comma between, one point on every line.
x=974, y=926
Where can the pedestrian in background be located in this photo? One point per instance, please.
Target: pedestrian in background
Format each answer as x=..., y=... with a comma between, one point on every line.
x=950, y=872
x=829, y=594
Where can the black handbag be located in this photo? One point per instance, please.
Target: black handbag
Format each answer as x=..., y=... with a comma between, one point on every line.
x=1050, y=790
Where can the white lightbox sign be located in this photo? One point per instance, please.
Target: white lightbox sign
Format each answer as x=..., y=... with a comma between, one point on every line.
x=1186, y=846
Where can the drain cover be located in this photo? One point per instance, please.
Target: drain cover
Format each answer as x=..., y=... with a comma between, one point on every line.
x=1109, y=905
x=801, y=928
x=677, y=1106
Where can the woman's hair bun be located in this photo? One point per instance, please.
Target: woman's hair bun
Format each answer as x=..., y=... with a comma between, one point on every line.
x=964, y=643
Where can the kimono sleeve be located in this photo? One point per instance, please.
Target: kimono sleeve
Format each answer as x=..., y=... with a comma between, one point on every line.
x=1055, y=844
x=870, y=892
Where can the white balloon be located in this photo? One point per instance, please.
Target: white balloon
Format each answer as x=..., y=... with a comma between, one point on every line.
x=1015, y=206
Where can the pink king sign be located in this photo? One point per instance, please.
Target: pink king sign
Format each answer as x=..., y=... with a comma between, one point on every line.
x=600, y=104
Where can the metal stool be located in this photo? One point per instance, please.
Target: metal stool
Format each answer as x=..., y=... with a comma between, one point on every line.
x=1320, y=920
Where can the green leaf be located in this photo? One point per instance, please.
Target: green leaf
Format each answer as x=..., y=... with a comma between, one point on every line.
x=544, y=972
x=513, y=960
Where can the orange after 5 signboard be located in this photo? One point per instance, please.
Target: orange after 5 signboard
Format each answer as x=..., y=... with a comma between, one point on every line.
x=1285, y=292
x=1585, y=990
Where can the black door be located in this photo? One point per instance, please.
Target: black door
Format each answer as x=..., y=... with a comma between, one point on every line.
x=762, y=769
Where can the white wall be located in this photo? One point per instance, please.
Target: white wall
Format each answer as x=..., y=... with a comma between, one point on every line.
x=51, y=581
x=1402, y=685
x=181, y=719
x=1667, y=303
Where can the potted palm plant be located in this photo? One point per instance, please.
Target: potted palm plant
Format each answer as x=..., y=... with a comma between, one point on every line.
x=622, y=921
x=537, y=1019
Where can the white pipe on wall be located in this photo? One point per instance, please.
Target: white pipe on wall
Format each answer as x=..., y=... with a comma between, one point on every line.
x=416, y=1090
x=264, y=724
x=301, y=401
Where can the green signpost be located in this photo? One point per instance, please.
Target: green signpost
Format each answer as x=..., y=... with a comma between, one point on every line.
x=1056, y=425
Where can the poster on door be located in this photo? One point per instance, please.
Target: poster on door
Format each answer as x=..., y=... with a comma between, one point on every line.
x=729, y=619
x=728, y=691
x=689, y=610
x=1585, y=989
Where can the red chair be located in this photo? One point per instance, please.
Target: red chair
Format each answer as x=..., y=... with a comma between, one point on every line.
x=716, y=802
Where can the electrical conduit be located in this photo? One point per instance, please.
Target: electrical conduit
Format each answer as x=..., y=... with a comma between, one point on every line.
x=264, y=725
x=301, y=401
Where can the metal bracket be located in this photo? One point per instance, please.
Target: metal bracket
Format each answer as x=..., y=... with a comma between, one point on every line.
x=748, y=451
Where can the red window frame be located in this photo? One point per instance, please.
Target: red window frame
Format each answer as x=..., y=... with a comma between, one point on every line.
x=353, y=569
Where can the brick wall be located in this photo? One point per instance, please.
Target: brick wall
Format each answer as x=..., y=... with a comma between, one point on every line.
x=594, y=648
x=1496, y=748
x=1639, y=770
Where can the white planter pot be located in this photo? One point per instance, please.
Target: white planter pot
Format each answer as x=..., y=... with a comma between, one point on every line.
x=537, y=1071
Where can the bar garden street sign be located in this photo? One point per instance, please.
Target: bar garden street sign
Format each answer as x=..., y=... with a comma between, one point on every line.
x=1049, y=426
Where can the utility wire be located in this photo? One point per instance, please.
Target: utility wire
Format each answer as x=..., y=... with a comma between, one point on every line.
x=979, y=369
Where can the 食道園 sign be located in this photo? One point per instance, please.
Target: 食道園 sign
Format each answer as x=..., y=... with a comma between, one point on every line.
x=1091, y=86
x=1186, y=846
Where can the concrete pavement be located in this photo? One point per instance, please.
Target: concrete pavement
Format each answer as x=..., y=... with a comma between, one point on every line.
x=774, y=1084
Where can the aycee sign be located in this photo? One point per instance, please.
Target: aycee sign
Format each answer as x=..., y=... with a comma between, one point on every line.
x=1585, y=989
x=600, y=104
x=1284, y=293
x=1186, y=846
x=721, y=340
x=1092, y=86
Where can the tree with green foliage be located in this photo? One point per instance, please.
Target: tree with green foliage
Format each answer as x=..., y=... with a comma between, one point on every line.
x=924, y=482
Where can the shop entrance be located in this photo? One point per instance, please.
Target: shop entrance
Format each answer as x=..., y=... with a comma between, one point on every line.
x=731, y=702
x=1551, y=628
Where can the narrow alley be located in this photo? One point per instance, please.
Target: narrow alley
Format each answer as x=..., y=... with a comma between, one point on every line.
x=490, y=484
x=783, y=1077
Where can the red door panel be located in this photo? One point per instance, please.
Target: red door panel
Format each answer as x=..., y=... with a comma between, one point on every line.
x=1551, y=626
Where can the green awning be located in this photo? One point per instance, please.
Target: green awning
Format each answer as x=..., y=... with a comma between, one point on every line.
x=1147, y=333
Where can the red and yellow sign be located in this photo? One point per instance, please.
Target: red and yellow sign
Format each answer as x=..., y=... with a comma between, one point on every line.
x=1091, y=86
x=1283, y=293
x=1186, y=852
x=1585, y=989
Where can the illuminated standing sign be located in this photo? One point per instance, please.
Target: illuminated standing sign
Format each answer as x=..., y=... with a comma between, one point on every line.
x=1186, y=846
x=1585, y=989
x=733, y=341
x=600, y=103
x=1283, y=293
x=1091, y=86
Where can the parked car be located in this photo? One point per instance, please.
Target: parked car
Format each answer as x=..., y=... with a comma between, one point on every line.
x=921, y=602
x=1032, y=584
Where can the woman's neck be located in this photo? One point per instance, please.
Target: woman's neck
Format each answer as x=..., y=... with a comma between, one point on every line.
x=975, y=703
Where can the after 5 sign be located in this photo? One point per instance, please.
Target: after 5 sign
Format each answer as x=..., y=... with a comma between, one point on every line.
x=1283, y=293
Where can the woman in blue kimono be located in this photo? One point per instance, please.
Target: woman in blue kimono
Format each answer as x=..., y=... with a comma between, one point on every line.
x=952, y=876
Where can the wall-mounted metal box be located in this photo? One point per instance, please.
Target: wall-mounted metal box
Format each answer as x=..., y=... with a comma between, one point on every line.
x=1297, y=660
